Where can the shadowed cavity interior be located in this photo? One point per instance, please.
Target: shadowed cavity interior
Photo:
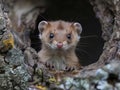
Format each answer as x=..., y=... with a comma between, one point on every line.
x=91, y=44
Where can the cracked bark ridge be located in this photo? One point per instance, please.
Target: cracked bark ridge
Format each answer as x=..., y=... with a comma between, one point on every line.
x=13, y=73
x=108, y=12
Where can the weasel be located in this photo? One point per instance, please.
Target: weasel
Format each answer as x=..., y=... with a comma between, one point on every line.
x=59, y=40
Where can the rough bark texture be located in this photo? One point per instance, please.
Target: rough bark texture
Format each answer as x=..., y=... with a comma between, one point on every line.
x=102, y=75
x=108, y=14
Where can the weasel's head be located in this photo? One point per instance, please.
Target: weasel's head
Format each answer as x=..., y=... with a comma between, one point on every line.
x=59, y=34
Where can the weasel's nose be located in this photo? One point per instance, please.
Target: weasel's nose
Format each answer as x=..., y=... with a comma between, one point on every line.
x=59, y=45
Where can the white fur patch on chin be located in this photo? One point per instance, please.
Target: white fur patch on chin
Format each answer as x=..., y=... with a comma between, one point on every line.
x=78, y=37
x=40, y=36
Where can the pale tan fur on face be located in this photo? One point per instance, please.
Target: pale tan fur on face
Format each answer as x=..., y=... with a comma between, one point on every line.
x=60, y=29
x=50, y=53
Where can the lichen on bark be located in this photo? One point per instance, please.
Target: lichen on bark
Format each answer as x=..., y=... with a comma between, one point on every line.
x=18, y=66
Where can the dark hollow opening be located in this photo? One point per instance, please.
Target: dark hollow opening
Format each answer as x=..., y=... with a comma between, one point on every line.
x=91, y=44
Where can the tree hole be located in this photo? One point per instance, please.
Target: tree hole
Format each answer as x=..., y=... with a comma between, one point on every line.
x=91, y=44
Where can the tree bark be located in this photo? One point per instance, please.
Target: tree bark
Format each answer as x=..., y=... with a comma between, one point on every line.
x=108, y=13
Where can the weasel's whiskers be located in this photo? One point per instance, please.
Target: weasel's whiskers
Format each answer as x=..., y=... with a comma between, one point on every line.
x=89, y=36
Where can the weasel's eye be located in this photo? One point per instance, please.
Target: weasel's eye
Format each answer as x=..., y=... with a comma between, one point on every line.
x=69, y=36
x=51, y=35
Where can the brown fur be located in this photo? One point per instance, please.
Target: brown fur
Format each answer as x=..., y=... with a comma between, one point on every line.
x=64, y=57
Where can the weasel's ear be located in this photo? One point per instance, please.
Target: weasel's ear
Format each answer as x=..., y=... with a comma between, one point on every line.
x=78, y=27
x=42, y=25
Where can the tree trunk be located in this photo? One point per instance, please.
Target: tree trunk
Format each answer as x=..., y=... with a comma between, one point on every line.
x=108, y=13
